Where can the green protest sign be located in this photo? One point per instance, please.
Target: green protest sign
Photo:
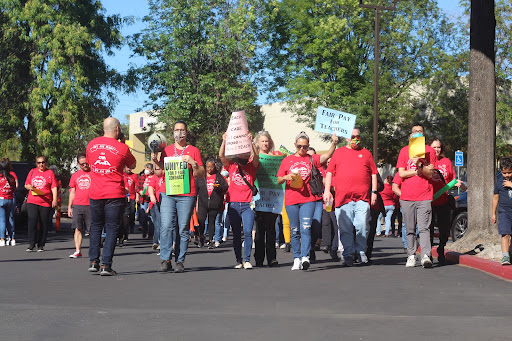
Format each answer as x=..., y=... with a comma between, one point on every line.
x=271, y=195
x=177, y=180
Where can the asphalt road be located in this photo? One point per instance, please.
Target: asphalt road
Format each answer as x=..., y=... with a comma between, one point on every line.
x=48, y=296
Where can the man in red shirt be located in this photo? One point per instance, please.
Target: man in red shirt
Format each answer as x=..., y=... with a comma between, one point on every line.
x=78, y=207
x=416, y=198
x=355, y=175
x=130, y=181
x=107, y=158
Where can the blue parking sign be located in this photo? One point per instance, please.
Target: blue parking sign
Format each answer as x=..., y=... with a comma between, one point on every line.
x=459, y=159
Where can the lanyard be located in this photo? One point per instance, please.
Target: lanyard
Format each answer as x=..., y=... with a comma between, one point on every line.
x=176, y=151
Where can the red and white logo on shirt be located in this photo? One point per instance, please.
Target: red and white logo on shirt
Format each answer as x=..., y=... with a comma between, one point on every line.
x=38, y=182
x=303, y=167
x=411, y=165
x=237, y=179
x=84, y=182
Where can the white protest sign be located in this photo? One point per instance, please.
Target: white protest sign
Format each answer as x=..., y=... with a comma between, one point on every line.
x=237, y=141
x=334, y=122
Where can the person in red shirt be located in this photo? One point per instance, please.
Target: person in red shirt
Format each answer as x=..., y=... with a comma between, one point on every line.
x=176, y=210
x=295, y=171
x=145, y=219
x=130, y=181
x=7, y=188
x=42, y=186
x=388, y=199
x=107, y=158
x=242, y=175
x=416, y=198
x=441, y=208
x=78, y=206
x=155, y=196
x=353, y=173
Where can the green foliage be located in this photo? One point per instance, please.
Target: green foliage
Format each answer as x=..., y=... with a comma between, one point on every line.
x=199, y=55
x=63, y=87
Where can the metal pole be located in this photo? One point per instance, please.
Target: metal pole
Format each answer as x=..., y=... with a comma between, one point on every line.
x=376, y=88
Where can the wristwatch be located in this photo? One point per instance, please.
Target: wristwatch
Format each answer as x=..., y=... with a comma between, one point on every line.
x=195, y=166
x=374, y=192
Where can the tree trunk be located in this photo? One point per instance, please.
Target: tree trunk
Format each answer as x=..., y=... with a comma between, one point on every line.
x=482, y=132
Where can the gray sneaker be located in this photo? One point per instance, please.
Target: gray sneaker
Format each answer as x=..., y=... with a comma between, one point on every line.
x=179, y=268
x=165, y=266
x=347, y=262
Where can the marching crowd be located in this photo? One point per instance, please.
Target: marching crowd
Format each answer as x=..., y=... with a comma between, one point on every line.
x=332, y=201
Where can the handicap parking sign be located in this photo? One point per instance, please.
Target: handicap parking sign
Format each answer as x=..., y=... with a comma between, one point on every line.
x=459, y=159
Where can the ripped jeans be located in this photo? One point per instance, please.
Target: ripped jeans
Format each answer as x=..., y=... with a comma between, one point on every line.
x=301, y=217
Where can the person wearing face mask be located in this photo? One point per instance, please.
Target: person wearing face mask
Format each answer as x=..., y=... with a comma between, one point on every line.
x=107, y=158
x=353, y=173
x=176, y=210
x=241, y=178
x=144, y=218
x=416, y=197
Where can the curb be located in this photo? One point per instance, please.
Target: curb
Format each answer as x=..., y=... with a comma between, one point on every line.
x=485, y=265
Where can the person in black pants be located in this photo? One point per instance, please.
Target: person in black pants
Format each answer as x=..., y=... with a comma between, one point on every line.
x=210, y=198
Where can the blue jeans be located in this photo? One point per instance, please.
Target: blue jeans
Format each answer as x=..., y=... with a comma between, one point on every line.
x=241, y=212
x=175, y=213
x=219, y=226
x=6, y=218
x=389, y=213
x=301, y=217
x=155, y=216
x=105, y=213
x=354, y=214
x=145, y=220
x=316, y=225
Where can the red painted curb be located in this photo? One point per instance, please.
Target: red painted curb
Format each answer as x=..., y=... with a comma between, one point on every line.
x=485, y=265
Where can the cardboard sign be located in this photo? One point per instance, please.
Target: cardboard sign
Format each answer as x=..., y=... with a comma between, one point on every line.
x=270, y=196
x=177, y=180
x=417, y=147
x=334, y=122
x=237, y=141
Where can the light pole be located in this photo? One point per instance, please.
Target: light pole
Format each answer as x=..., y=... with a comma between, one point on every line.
x=377, y=9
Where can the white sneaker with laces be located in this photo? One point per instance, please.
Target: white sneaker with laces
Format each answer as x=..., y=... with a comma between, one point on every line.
x=283, y=246
x=217, y=244
x=426, y=262
x=362, y=257
x=239, y=266
x=2, y=242
x=305, y=263
x=297, y=264
x=247, y=265
x=13, y=242
x=411, y=261
x=224, y=239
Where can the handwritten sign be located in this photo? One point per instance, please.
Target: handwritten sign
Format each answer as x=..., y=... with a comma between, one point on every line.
x=270, y=195
x=334, y=122
x=417, y=147
x=237, y=141
x=177, y=180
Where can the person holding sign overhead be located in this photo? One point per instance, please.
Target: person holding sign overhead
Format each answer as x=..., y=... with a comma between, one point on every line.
x=242, y=173
x=182, y=164
x=416, y=165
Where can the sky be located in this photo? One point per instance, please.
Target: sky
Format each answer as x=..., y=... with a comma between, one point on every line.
x=122, y=60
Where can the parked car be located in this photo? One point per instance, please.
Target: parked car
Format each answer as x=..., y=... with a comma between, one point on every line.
x=460, y=216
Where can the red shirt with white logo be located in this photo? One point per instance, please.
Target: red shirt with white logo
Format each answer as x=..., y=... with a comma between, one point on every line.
x=130, y=182
x=6, y=191
x=446, y=168
x=416, y=188
x=107, y=158
x=158, y=183
x=352, y=171
x=293, y=196
x=43, y=181
x=210, y=181
x=238, y=190
x=194, y=154
x=81, y=182
x=388, y=196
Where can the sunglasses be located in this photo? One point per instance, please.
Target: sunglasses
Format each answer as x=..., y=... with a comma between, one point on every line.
x=41, y=162
x=355, y=136
x=82, y=164
x=301, y=147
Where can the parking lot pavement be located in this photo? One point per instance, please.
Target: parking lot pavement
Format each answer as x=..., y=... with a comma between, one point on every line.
x=48, y=296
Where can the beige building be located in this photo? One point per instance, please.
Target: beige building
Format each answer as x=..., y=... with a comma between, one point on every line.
x=281, y=125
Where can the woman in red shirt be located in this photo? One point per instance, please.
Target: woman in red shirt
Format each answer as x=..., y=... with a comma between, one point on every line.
x=7, y=187
x=42, y=196
x=388, y=198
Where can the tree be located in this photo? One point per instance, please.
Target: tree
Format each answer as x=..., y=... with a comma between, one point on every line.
x=199, y=55
x=321, y=54
x=63, y=86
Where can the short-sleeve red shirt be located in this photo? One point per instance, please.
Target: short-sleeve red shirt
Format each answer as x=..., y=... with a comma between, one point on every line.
x=81, y=182
x=293, y=196
x=238, y=190
x=6, y=191
x=158, y=183
x=445, y=166
x=416, y=188
x=130, y=182
x=43, y=181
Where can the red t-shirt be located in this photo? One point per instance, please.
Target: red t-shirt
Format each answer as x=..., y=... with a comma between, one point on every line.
x=130, y=182
x=352, y=171
x=194, y=154
x=43, y=181
x=6, y=191
x=107, y=158
x=81, y=182
x=446, y=168
x=210, y=181
x=416, y=188
x=293, y=196
x=388, y=196
x=158, y=183
x=238, y=190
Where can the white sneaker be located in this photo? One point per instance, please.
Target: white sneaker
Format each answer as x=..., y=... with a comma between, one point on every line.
x=239, y=266
x=426, y=262
x=411, y=261
x=13, y=242
x=305, y=263
x=283, y=246
x=2, y=242
x=217, y=244
x=277, y=246
x=362, y=257
x=224, y=239
x=247, y=265
x=297, y=265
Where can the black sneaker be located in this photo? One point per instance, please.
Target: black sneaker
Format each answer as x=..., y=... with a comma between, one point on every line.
x=165, y=266
x=30, y=249
x=201, y=242
x=94, y=267
x=179, y=268
x=287, y=247
x=273, y=263
x=211, y=245
x=107, y=271
x=40, y=249
x=120, y=243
